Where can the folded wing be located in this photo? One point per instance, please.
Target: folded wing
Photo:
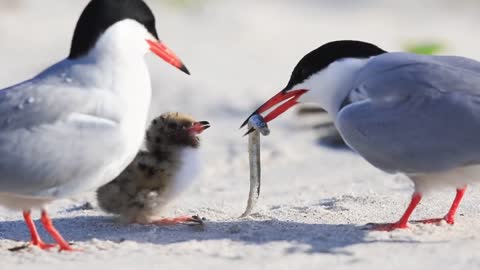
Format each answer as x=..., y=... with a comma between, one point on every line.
x=419, y=114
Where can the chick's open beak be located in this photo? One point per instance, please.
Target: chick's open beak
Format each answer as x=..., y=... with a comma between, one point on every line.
x=199, y=127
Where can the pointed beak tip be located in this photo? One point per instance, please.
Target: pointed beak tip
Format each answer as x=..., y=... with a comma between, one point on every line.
x=246, y=121
x=249, y=131
x=184, y=69
x=161, y=50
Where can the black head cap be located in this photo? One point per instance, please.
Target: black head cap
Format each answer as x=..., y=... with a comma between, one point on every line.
x=328, y=53
x=99, y=15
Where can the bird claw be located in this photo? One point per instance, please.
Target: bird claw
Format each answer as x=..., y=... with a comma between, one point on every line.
x=68, y=249
x=19, y=248
x=435, y=221
x=196, y=220
x=44, y=246
x=41, y=245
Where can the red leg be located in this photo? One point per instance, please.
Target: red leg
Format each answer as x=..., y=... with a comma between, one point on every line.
x=403, y=222
x=36, y=240
x=48, y=225
x=178, y=220
x=450, y=217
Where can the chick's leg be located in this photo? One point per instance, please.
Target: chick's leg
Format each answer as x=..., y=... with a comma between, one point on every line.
x=178, y=220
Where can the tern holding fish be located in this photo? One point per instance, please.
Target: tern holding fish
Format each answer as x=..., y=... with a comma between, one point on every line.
x=418, y=115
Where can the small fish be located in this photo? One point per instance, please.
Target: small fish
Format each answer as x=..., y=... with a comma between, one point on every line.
x=255, y=169
x=258, y=122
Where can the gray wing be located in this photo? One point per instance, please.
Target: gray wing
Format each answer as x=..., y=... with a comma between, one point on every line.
x=420, y=113
x=52, y=133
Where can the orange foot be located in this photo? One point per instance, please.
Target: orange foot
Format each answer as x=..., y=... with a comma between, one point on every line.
x=386, y=227
x=403, y=222
x=44, y=246
x=436, y=221
x=37, y=240
x=195, y=220
x=48, y=225
x=40, y=244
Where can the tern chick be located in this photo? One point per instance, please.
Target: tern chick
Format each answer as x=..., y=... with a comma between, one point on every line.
x=157, y=175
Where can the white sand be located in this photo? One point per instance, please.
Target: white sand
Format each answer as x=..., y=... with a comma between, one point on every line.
x=314, y=200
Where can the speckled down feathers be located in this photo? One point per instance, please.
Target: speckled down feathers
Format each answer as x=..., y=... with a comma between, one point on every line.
x=146, y=186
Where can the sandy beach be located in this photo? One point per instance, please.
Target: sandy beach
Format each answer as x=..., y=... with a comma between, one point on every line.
x=315, y=200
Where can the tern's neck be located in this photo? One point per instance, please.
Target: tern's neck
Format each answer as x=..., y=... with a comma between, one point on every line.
x=330, y=87
x=118, y=55
x=123, y=40
x=121, y=69
x=120, y=65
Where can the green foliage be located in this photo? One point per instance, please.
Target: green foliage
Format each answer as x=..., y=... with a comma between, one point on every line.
x=425, y=48
x=184, y=3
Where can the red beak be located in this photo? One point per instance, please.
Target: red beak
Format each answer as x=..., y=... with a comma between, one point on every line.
x=291, y=98
x=166, y=54
x=199, y=127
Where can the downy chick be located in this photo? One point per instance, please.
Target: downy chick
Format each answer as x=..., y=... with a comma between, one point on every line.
x=157, y=175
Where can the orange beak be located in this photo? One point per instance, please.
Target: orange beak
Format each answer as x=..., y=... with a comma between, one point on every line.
x=290, y=98
x=166, y=54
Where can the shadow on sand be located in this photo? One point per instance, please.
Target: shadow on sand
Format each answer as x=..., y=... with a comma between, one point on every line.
x=321, y=238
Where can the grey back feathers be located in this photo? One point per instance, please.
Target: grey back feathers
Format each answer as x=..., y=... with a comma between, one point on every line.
x=34, y=133
x=408, y=98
